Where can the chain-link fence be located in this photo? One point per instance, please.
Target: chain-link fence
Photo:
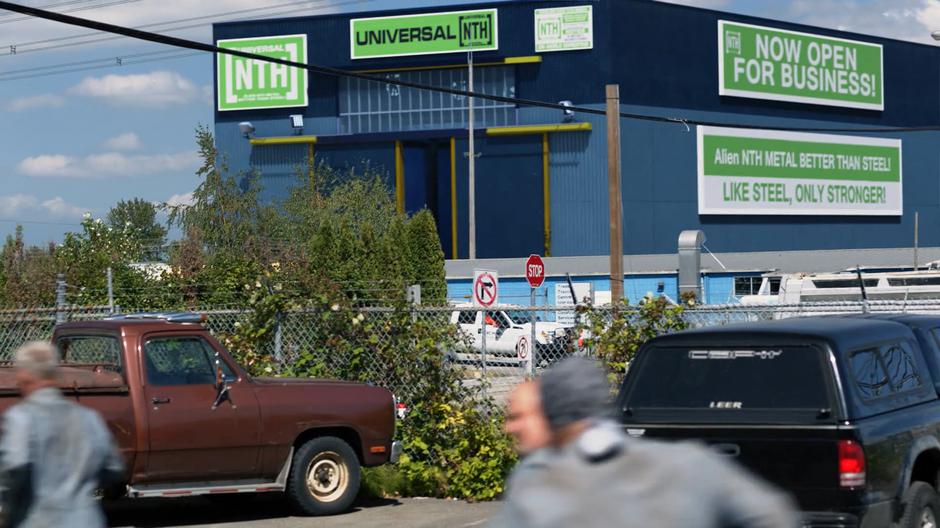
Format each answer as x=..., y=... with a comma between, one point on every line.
x=493, y=349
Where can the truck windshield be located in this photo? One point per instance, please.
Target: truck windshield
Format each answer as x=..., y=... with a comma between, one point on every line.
x=518, y=317
x=733, y=384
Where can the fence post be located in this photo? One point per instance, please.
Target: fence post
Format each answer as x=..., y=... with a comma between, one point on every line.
x=414, y=299
x=60, y=314
x=110, y=292
x=278, y=339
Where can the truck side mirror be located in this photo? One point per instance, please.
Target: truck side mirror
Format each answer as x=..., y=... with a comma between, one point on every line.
x=221, y=384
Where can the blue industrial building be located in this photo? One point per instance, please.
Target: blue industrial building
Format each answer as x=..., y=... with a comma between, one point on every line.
x=541, y=177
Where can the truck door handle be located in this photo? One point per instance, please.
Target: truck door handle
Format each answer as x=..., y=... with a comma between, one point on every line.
x=158, y=401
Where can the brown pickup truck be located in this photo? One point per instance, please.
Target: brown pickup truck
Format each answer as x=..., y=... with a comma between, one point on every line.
x=190, y=421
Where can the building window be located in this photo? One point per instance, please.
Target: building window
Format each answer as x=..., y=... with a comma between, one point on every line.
x=751, y=285
x=368, y=106
x=746, y=286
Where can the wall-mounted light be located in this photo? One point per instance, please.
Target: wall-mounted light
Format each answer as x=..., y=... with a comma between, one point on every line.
x=297, y=123
x=567, y=115
x=246, y=128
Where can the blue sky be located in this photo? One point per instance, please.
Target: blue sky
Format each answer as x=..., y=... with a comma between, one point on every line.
x=82, y=140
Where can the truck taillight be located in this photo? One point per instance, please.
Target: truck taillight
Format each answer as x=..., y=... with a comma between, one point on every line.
x=851, y=464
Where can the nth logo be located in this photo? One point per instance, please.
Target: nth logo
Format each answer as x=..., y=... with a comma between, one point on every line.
x=476, y=30
x=550, y=28
x=733, y=42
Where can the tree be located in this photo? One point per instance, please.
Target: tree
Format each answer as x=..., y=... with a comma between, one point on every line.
x=427, y=258
x=140, y=216
x=27, y=273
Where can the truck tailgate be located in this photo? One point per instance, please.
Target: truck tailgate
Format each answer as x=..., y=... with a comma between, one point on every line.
x=773, y=409
x=802, y=461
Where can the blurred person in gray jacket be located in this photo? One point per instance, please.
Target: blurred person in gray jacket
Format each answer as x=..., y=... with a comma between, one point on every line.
x=594, y=475
x=54, y=453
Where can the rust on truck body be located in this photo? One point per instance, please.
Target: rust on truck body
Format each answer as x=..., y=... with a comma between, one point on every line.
x=172, y=434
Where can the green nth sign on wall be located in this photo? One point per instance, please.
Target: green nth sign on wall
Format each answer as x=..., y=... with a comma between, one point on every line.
x=423, y=34
x=248, y=84
x=764, y=172
x=767, y=63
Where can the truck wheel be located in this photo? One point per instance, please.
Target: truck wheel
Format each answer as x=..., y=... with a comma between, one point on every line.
x=921, y=507
x=324, y=476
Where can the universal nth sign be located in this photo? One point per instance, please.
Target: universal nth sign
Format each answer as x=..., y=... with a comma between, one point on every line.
x=817, y=66
x=251, y=74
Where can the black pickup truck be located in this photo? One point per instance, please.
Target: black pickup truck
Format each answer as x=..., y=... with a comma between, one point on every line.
x=841, y=412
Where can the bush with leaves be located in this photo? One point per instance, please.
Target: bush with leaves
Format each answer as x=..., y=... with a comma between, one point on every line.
x=615, y=334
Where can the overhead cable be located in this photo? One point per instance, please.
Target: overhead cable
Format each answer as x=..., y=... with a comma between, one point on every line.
x=337, y=72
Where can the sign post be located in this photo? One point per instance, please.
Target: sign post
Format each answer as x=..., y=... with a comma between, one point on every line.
x=485, y=295
x=535, y=275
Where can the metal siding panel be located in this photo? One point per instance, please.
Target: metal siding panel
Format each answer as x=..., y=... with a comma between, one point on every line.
x=578, y=182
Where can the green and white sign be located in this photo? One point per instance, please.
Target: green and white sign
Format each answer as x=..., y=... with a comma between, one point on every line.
x=564, y=28
x=763, y=172
x=768, y=63
x=248, y=84
x=423, y=34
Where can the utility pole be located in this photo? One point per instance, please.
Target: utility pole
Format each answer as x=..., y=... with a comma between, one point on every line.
x=614, y=195
x=471, y=194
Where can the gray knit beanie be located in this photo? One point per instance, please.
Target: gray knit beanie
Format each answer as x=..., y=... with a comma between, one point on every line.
x=572, y=390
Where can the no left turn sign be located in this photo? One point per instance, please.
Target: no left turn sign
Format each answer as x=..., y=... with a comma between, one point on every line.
x=485, y=288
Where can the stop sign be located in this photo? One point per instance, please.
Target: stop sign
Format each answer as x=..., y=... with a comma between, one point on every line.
x=534, y=271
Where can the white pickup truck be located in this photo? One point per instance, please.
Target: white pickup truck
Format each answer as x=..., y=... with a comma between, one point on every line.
x=509, y=335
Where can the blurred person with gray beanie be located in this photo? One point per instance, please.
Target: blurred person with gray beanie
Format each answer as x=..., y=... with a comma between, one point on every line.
x=54, y=453
x=593, y=475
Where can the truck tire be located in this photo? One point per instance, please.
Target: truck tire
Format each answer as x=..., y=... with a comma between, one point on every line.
x=920, y=506
x=324, y=476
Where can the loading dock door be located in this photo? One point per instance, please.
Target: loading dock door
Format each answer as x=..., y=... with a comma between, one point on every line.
x=509, y=190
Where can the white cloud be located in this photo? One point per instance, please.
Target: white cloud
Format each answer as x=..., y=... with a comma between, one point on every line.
x=106, y=165
x=59, y=207
x=49, y=164
x=35, y=101
x=158, y=88
x=180, y=199
x=25, y=204
x=126, y=141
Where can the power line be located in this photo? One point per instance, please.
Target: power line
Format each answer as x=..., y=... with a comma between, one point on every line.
x=80, y=8
x=336, y=72
x=266, y=9
x=113, y=62
x=118, y=59
x=50, y=6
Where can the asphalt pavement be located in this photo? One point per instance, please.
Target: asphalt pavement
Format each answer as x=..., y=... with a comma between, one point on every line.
x=242, y=511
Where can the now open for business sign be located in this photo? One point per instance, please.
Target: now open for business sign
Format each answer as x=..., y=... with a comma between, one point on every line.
x=763, y=172
x=768, y=63
x=423, y=34
x=248, y=84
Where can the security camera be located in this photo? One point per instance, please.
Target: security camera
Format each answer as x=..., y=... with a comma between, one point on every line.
x=568, y=115
x=246, y=128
